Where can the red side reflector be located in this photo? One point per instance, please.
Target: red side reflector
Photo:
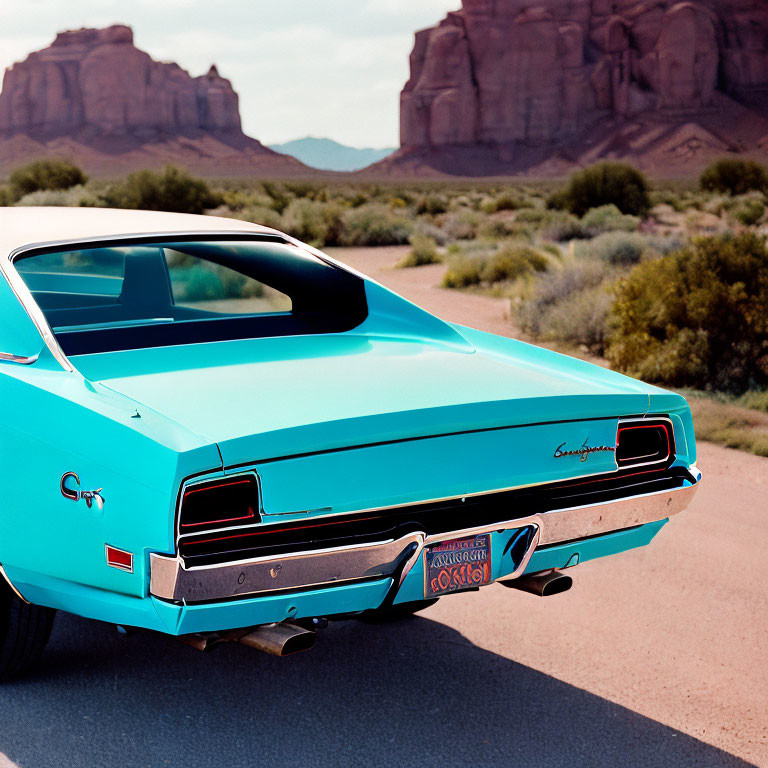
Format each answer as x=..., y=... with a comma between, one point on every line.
x=118, y=558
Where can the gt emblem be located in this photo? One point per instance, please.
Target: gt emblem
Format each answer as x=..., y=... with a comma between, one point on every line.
x=89, y=496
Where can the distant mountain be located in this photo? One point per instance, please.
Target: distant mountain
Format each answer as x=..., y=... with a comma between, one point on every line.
x=329, y=155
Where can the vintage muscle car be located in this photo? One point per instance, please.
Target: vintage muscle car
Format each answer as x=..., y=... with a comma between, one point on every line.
x=213, y=431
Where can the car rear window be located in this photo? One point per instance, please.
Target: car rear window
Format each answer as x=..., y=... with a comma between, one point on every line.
x=155, y=293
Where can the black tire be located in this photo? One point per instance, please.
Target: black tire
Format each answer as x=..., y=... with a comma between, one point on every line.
x=24, y=632
x=396, y=612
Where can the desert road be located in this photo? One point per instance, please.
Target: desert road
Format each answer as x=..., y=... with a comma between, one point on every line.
x=657, y=658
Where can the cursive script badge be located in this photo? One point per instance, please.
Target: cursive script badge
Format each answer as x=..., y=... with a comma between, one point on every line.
x=584, y=452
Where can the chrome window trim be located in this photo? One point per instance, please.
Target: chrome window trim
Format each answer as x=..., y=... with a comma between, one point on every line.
x=171, y=580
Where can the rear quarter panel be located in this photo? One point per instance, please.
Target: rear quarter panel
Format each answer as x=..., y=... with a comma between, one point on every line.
x=55, y=422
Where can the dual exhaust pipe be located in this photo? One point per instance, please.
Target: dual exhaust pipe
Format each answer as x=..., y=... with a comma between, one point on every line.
x=287, y=638
x=542, y=584
x=282, y=639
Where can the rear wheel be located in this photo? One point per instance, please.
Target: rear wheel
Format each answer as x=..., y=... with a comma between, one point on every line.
x=24, y=631
x=396, y=612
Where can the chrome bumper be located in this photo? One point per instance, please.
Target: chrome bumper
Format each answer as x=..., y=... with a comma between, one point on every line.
x=170, y=580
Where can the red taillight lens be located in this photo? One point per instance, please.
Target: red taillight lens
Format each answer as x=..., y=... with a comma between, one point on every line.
x=638, y=444
x=223, y=502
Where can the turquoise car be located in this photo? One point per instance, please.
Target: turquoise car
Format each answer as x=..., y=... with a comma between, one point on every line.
x=213, y=431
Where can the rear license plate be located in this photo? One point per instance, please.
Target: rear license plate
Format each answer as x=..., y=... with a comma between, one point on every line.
x=455, y=565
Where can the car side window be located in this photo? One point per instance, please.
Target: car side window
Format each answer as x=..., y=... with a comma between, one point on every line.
x=199, y=284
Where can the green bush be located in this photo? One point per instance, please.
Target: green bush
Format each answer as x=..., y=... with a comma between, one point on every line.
x=46, y=174
x=697, y=317
x=501, y=229
x=432, y=205
x=374, y=224
x=608, y=218
x=473, y=266
x=749, y=212
x=605, y=184
x=617, y=248
x=313, y=222
x=734, y=176
x=512, y=262
x=171, y=189
x=266, y=217
x=462, y=224
x=423, y=251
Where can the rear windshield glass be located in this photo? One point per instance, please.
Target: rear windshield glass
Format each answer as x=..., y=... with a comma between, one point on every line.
x=150, y=294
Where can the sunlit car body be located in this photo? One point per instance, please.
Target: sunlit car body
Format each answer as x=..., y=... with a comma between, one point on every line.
x=208, y=426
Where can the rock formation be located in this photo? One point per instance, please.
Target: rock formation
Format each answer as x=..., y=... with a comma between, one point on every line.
x=93, y=93
x=519, y=76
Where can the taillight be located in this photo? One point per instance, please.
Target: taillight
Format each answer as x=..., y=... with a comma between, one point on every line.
x=224, y=502
x=642, y=442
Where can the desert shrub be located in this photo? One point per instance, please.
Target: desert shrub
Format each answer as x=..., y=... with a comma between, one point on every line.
x=569, y=304
x=511, y=262
x=423, y=251
x=748, y=210
x=78, y=196
x=608, y=218
x=616, y=248
x=734, y=176
x=757, y=399
x=560, y=227
x=501, y=229
x=374, y=224
x=6, y=196
x=432, y=205
x=426, y=228
x=46, y=174
x=281, y=198
x=605, y=184
x=475, y=266
x=310, y=221
x=667, y=197
x=171, y=189
x=266, y=217
x=505, y=201
x=463, y=271
x=697, y=317
x=531, y=215
x=462, y=224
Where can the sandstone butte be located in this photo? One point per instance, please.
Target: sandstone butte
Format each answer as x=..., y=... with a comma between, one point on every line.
x=514, y=86
x=94, y=97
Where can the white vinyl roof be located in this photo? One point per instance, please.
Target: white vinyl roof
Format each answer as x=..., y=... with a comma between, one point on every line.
x=36, y=225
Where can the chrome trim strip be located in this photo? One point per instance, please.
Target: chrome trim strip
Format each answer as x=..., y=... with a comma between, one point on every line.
x=10, y=584
x=23, y=294
x=171, y=580
x=7, y=357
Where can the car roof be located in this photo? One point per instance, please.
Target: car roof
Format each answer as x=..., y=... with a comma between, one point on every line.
x=35, y=225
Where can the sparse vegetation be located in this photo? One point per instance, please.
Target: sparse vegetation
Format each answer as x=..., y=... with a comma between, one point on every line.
x=687, y=311
x=49, y=174
x=169, y=190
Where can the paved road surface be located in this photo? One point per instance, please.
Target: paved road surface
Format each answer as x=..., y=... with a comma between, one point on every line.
x=657, y=658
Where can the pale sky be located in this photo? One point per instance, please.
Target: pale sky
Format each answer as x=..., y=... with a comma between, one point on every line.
x=301, y=67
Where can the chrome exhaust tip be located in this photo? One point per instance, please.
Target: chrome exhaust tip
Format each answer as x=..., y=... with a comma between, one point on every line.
x=543, y=584
x=282, y=639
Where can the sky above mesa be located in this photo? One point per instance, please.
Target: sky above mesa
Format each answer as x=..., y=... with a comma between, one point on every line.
x=302, y=67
